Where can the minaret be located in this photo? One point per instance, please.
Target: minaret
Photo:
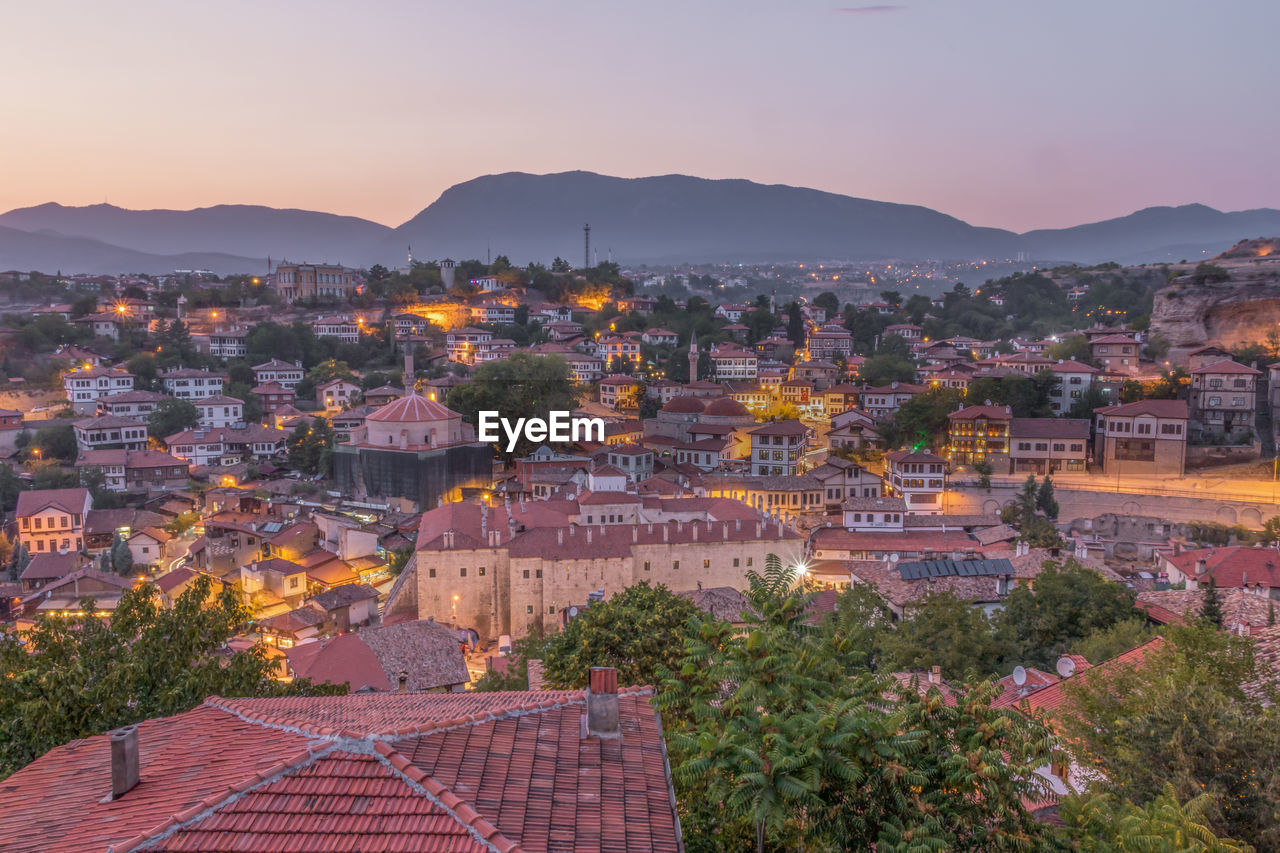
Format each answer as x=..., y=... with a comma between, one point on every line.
x=693, y=357
x=447, y=273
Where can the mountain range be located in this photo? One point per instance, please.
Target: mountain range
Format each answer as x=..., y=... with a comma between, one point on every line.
x=665, y=219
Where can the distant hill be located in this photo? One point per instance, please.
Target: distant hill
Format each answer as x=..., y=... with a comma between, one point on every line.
x=1263, y=247
x=676, y=218
x=1155, y=234
x=236, y=229
x=667, y=219
x=22, y=250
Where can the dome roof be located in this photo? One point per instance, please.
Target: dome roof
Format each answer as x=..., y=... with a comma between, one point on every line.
x=684, y=404
x=412, y=409
x=726, y=407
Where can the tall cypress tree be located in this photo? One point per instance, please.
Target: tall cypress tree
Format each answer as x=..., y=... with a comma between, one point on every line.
x=1211, y=608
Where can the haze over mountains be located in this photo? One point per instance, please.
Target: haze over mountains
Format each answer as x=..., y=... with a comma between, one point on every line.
x=672, y=218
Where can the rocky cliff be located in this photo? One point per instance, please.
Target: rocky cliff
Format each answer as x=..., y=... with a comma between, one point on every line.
x=1242, y=310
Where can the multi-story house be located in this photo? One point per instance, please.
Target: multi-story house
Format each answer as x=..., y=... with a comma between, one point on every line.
x=410, y=324
x=272, y=397
x=227, y=445
x=494, y=349
x=312, y=281
x=660, y=337
x=461, y=344
x=620, y=392
x=1115, y=352
x=336, y=394
x=223, y=343
x=829, y=341
x=281, y=372
x=616, y=349
x=187, y=383
x=918, y=477
x=1074, y=379
x=346, y=331
x=884, y=401
x=732, y=362
x=977, y=433
x=841, y=479
x=909, y=332
x=104, y=432
x=494, y=313
x=1146, y=438
x=52, y=520
x=778, y=448
x=631, y=459
x=1224, y=401
x=732, y=313
x=85, y=387
x=136, y=470
x=130, y=404
x=1048, y=445
x=220, y=411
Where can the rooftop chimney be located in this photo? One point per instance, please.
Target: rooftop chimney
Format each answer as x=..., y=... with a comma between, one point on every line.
x=404, y=682
x=935, y=675
x=602, y=703
x=124, y=761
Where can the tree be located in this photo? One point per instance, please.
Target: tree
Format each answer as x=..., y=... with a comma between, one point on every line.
x=1105, y=643
x=1045, y=501
x=121, y=556
x=310, y=447
x=795, y=325
x=182, y=523
x=828, y=302
x=1180, y=716
x=148, y=660
x=773, y=743
x=1102, y=823
x=636, y=631
x=942, y=630
x=1067, y=603
x=10, y=486
x=984, y=471
x=399, y=559
x=171, y=416
x=523, y=384
x=884, y=369
x=1211, y=605
x=55, y=442
x=559, y=265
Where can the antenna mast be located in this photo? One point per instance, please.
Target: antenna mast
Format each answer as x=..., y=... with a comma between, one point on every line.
x=586, y=246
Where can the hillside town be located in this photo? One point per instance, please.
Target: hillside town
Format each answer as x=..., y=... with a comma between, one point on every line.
x=302, y=447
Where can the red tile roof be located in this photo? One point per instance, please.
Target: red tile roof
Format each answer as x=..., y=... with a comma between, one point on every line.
x=1226, y=366
x=448, y=772
x=1158, y=408
x=995, y=413
x=72, y=501
x=1053, y=701
x=1232, y=566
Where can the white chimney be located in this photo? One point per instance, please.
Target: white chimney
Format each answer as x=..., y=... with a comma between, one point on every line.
x=124, y=761
x=602, y=704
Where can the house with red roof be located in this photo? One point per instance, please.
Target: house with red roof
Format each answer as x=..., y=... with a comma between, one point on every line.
x=415, y=657
x=1147, y=438
x=52, y=520
x=460, y=772
x=1222, y=402
x=978, y=433
x=1254, y=570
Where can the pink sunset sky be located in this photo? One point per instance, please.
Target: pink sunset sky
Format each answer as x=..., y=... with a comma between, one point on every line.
x=1011, y=113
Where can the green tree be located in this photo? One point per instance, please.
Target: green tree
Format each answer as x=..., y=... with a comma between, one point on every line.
x=121, y=556
x=828, y=302
x=92, y=675
x=1071, y=348
x=1211, y=604
x=172, y=416
x=523, y=384
x=57, y=441
x=1067, y=603
x=1101, y=823
x=636, y=631
x=1045, y=501
x=10, y=486
x=559, y=265
x=984, y=471
x=795, y=325
x=1180, y=716
x=943, y=630
x=1105, y=643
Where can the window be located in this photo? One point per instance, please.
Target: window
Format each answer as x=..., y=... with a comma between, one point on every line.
x=537, y=573
x=1059, y=447
x=706, y=564
x=481, y=572
x=462, y=572
x=1171, y=429
x=675, y=564
x=646, y=565
x=38, y=522
x=1024, y=445
x=431, y=573
x=1237, y=401
x=1042, y=446
x=529, y=609
x=551, y=610
x=1215, y=401
x=1143, y=429
x=293, y=583
x=735, y=562
x=526, y=574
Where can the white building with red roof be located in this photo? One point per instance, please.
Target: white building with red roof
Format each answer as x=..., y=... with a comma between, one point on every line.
x=52, y=520
x=1223, y=400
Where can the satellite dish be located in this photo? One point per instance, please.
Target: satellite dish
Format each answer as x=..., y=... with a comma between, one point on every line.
x=573, y=611
x=1066, y=667
x=1019, y=676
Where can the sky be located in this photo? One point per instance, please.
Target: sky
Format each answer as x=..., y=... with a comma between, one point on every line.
x=1017, y=114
